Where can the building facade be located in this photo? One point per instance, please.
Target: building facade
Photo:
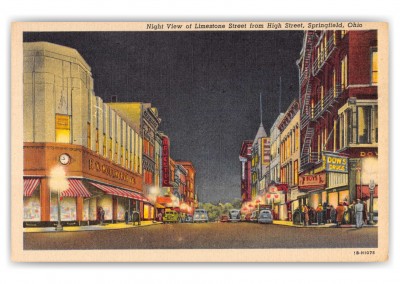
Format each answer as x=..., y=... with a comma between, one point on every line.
x=339, y=116
x=245, y=177
x=71, y=134
x=258, y=162
x=289, y=128
x=275, y=166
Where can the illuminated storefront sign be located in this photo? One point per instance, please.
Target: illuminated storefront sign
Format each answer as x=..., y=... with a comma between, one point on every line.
x=312, y=180
x=165, y=161
x=266, y=150
x=335, y=163
x=110, y=171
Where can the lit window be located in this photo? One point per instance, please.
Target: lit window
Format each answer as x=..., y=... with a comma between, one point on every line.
x=63, y=134
x=364, y=125
x=374, y=67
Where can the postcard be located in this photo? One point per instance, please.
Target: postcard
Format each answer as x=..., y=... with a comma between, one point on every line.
x=200, y=142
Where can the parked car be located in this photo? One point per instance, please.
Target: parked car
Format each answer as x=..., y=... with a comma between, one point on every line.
x=188, y=219
x=265, y=217
x=224, y=218
x=247, y=217
x=234, y=215
x=171, y=216
x=200, y=215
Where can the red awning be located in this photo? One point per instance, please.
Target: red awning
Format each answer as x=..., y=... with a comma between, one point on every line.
x=76, y=188
x=30, y=184
x=119, y=192
x=364, y=192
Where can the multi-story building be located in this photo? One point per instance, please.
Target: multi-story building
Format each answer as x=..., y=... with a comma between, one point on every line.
x=245, y=177
x=145, y=118
x=190, y=189
x=339, y=115
x=259, y=166
x=275, y=166
x=73, y=138
x=289, y=128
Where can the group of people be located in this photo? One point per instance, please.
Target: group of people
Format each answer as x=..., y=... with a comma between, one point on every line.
x=327, y=213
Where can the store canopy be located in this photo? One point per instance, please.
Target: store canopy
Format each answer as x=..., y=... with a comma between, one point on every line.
x=363, y=193
x=30, y=184
x=119, y=192
x=76, y=188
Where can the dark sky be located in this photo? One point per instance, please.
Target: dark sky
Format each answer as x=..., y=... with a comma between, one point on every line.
x=206, y=86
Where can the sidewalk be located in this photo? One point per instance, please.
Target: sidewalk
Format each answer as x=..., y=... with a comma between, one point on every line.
x=314, y=225
x=115, y=226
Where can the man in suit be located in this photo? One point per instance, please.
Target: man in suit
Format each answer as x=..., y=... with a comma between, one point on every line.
x=359, y=208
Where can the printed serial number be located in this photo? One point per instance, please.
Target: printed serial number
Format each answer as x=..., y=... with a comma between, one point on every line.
x=363, y=252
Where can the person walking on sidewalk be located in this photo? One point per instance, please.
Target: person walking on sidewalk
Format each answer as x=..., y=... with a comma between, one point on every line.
x=365, y=215
x=126, y=217
x=339, y=214
x=319, y=211
x=332, y=213
x=359, y=209
x=306, y=216
x=352, y=210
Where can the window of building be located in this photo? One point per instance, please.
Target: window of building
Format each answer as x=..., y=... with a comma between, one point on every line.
x=97, y=141
x=364, y=125
x=89, y=138
x=297, y=138
x=344, y=70
x=376, y=124
x=104, y=145
x=349, y=123
x=296, y=172
x=341, y=127
x=322, y=97
x=63, y=132
x=374, y=66
x=334, y=83
x=343, y=33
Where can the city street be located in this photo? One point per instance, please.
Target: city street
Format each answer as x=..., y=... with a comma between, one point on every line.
x=205, y=236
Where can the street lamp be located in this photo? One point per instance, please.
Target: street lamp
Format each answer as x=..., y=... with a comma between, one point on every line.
x=371, y=201
x=58, y=183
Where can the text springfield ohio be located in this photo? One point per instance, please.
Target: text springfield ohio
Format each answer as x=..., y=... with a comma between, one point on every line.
x=258, y=26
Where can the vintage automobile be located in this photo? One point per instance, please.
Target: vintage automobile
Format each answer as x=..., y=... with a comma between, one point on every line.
x=188, y=219
x=224, y=218
x=265, y=217
x=171, y=216
x=200, y=215
x=234, y=215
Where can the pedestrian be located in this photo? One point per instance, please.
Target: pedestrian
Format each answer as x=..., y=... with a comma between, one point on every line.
x=339, y=214
x=319, y=211
x=352, y=212
x=332, y=213
x=359, y=209
x=365, y=215
x=126, y=217
x=306, y=216
x=325, y=213
x=328, y=214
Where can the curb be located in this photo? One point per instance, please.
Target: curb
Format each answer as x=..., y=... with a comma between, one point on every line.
x=83, y=228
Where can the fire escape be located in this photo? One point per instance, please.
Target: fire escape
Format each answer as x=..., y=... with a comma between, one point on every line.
x=305, y=114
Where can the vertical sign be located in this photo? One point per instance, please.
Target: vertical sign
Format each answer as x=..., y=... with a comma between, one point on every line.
x=266, y=151
x=165, y=161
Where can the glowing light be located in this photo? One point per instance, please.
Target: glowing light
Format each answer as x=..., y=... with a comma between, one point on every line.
x=58, y=181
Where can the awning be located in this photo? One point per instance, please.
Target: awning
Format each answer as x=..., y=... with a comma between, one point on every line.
x=119, y=192
x=159, y=206
x=363, y=193
x=30, y=184
x=76, y=188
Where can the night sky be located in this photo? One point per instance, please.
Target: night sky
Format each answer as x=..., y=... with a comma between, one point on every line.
x=206, y=86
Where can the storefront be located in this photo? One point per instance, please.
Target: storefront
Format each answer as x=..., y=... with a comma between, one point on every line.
x=277, y=197
x=313, y=188
x=92, y=182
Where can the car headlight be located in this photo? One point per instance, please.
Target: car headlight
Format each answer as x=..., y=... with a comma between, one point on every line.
x=202, y=216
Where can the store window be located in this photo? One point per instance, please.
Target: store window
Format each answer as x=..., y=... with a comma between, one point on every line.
x=374, y=66
x=376, y=122
x=32, y=206
x=349, y=118
x=63, y=134
x=364, y=124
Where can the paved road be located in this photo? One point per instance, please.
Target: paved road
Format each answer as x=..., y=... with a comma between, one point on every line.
x=211, y=235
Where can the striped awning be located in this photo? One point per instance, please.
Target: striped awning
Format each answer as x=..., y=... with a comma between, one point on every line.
x=76, y=188
x=119, y=192
x=30, y=184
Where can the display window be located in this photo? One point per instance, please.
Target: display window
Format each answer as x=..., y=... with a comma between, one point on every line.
x=32, y=207
x=92, y=209
x=67, y=208
x=106, y=203
x=85, y=210
x=344, y=196
x=333, y=199
x=146, y=212
x=123, y=204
